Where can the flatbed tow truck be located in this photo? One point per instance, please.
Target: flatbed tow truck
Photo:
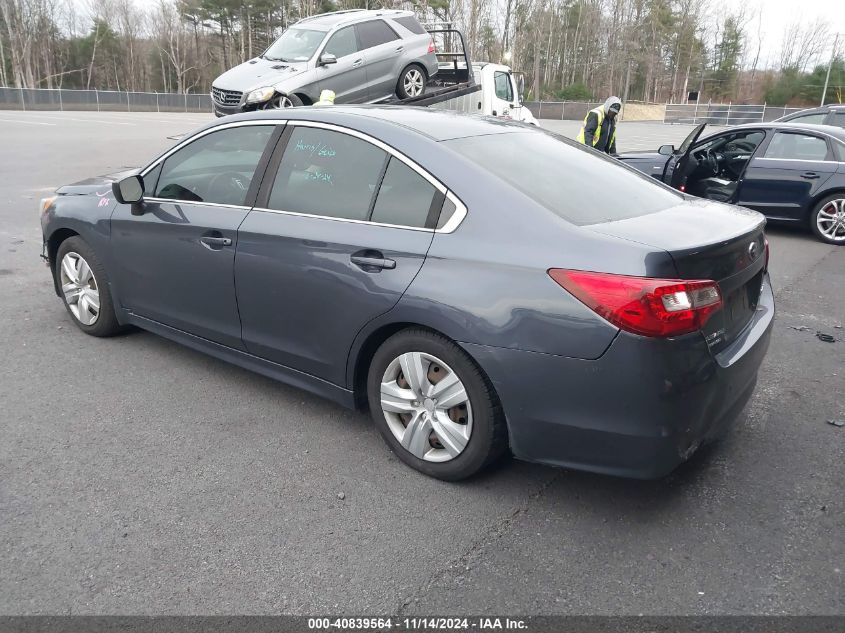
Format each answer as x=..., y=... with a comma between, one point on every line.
x=471, y=87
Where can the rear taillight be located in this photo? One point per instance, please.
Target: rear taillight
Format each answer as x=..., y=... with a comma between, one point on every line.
x=431, y=47
x=644, y=305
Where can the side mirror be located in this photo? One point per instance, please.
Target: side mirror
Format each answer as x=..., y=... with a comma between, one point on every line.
x=666, y=150
x=129, y=190
x=327, y=59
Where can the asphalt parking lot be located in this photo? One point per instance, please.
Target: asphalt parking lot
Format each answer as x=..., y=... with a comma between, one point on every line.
x=137, y=476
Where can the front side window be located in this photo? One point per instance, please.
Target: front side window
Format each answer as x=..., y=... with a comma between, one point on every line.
x=216, y=168
x=375, y=33
x=404, y=197
x=295, y=45
x=342, y=43
x=502, y=83
x=796, y=146
x=327, y=173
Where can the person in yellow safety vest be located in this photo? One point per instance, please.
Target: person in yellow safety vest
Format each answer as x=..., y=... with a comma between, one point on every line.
x=599, y=129
x=326, y=98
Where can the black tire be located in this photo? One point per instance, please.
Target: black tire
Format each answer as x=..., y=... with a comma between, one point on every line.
x=488, y=437
x=814, y=219
x=105, y=323
x=401, y=92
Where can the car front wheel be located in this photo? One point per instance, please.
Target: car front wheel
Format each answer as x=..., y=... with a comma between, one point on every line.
x=827, y=220
x=84, y=287
x=434, y=407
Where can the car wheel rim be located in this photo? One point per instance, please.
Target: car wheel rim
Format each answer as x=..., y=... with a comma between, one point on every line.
x=282, y=102
x=830, y=220
x=426, y=407
x=80, y=289
x=413, y=83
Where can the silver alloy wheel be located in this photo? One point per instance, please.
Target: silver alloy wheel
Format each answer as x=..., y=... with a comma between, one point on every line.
x=413, y=83
x=830, y=220
x=80, y=288
x=426, y=407
x=281, y=102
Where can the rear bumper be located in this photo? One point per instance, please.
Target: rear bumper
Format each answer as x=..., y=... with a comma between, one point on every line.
x=639, y=411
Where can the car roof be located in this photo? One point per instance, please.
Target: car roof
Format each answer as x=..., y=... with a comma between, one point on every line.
x=438, y=125
x=329, y=20
x=830, y=130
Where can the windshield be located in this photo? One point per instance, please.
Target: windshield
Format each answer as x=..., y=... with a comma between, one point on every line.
x=579, y=185
x=295, y=45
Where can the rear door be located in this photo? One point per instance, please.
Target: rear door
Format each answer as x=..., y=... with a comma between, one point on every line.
x=340, y=229
x=782, y=180
x=384, y=50
x=348, y=77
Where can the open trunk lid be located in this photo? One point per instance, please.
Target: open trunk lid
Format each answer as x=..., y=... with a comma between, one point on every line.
x=708, y=241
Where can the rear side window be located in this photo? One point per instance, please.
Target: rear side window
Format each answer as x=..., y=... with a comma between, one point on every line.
x=404, y=197
x=327, y=173
x=786, y=145
x=216, y=168
x=566, y=178
x=375, y=33
x=838, y=119
x=411, y=23
x=342, y=43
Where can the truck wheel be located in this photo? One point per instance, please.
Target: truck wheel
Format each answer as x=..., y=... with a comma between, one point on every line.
x=411, y=82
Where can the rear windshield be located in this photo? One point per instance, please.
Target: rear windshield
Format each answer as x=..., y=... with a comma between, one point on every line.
x=579, y=185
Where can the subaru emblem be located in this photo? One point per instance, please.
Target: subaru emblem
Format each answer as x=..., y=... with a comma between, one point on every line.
x=752, y=251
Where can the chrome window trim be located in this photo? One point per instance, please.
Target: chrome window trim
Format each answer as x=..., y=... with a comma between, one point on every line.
x=802, y=160
x=453, y=223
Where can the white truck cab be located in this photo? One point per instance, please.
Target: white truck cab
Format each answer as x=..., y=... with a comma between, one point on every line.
x=500, y=94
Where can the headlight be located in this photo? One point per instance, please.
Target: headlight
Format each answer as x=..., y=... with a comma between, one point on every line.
x=260, y=95
x=45, y=204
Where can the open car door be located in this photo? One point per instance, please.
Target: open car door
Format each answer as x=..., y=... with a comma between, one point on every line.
x=676, y=167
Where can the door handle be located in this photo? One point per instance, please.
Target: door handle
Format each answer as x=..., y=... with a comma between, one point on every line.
x=810, y=175
x=215, y=243
x=399, y=49
x=373, y=263
x=357, y=62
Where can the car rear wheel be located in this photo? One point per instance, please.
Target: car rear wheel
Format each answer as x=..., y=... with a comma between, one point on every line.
x=434, y=407
x=85, y=288
x=411, y=83
x=828, y=219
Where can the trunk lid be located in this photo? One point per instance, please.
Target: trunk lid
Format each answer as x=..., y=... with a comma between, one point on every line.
x=707, y=240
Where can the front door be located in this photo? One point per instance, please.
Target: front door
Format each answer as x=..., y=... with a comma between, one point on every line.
x=340, y=230
x=782, y=182
x=176, y=263
x=347, y=78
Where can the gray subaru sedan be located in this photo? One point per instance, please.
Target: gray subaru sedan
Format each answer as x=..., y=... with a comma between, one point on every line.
x=480, y=286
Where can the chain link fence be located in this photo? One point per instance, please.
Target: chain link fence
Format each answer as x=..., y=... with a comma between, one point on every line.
x=101, y=100
x=724, y=113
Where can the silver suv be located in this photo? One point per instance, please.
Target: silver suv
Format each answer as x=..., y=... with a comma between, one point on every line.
x=363, y=56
